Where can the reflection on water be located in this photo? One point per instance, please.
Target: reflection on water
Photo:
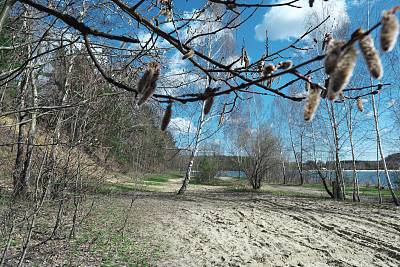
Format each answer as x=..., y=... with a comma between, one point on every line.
x=364, y=177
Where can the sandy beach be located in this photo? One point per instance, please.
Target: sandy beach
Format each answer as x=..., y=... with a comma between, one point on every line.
x=213, y=227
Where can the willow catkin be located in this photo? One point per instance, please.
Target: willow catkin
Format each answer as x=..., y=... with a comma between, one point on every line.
x=167, y=117
x=208, y=105
x=360, y=105
x=152, y=85
x=332, y=55
x=209, y=101
x=188, y=54
x=389, y=30
x=311, y=104
x=269, y=69
x=343, y=71
x=287, y=65
x=371, y=56
x=144, y=81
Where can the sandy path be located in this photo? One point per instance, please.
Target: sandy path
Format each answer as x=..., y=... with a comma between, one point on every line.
x=219, y=228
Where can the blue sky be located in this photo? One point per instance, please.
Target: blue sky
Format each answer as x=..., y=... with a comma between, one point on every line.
x=286, y=24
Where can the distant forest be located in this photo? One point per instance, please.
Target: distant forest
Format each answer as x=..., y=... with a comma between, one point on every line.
x=230, y=163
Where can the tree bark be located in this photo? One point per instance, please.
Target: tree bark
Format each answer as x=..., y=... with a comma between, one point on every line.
x=5, y=11
x=193, y=153
x=339, y=178
x=356, y=190
x=20, y=184
x=316, y=165
x=294, y=150
x=378, y=140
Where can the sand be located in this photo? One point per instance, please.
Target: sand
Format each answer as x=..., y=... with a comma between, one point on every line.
x=214, y=227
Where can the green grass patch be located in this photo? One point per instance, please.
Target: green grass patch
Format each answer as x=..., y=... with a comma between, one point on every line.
x=162, y=178
x=213, y=182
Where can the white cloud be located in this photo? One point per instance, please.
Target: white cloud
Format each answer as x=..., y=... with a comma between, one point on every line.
x=181, y=125
x=287, y=22
x=391, y=103
x=168, y=26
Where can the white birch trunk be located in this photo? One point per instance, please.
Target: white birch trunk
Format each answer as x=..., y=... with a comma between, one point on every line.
x=378, y=140
x=193, y=153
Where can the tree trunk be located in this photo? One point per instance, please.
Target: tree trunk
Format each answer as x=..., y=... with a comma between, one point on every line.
x=301, y=160
x=316, y=165
x=378, y=178
x=283, y=171
x=20, y=184
x=5, y=11
x=25, y=175
x=378, y=140
x=56, y=134
x=294, y=150
x=339, y=177
x=356, y=190
x=193, y=153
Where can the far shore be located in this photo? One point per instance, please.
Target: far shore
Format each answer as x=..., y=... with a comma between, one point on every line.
x=356, y=170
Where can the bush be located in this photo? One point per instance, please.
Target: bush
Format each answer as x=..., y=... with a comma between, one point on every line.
x=207, y=169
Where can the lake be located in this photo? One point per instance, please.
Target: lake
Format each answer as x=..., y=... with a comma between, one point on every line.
x=364, y=177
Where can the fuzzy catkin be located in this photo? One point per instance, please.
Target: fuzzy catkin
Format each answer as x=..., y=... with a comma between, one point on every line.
x=152, y=85
x=209, y=101
x=311, y=104
x=287, y=65
x=332, y=55
x=389, y=30
x=145, y=80
x=360, y=105
x=269, y=69
x=208, y=105
x=167, y=117
x=343, y=71
x=371, y=56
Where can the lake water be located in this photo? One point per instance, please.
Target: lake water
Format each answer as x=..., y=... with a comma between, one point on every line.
x=364, y=177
